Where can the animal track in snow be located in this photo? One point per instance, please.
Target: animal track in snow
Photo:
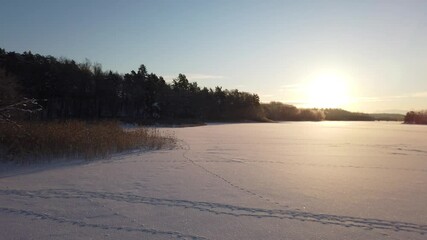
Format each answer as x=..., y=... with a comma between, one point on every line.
x=78, y=223
x=210, y=207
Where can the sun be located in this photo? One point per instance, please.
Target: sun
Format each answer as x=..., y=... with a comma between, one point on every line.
x=327, y=91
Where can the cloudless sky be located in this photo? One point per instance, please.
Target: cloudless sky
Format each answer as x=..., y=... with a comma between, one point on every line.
x=273, y=48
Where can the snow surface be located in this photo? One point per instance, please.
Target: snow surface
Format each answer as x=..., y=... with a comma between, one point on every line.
x=324, y=180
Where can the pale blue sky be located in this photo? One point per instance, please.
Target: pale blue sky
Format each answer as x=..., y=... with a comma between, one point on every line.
x=274, y=48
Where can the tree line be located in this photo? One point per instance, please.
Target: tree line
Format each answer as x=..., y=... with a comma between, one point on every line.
x=66, y=89
x=284, y=112
x=413, y=117
x=278, y=111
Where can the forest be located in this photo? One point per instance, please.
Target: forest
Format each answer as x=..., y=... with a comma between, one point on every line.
x=68, y=90
x=413, y=117
x=62, y=89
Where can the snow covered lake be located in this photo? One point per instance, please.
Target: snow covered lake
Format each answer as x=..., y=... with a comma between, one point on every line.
x=308, y=180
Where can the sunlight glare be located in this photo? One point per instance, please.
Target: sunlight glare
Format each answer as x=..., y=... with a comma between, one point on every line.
x=327, y=91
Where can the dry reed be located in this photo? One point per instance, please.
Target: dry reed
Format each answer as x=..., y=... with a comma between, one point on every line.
x=74, y=139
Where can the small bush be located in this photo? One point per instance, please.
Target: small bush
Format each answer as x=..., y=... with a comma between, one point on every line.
x=36, y=140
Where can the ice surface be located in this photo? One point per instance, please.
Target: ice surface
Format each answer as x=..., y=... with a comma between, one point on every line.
x=323, y=180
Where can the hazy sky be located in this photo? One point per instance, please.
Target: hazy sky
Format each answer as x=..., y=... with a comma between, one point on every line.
x=374, y=51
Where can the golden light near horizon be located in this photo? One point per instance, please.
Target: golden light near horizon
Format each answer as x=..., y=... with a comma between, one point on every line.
x=327, y=91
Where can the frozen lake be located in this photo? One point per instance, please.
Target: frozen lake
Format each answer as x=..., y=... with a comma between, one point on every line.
x=308, y=180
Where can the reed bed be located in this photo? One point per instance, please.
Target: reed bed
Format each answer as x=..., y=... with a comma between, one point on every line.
x=32, y=141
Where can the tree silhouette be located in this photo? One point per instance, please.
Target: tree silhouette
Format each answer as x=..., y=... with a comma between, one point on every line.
x=413, y=117
x=67, y=89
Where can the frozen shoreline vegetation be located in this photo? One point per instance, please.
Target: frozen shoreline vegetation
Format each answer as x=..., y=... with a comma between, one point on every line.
x=39, y=141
